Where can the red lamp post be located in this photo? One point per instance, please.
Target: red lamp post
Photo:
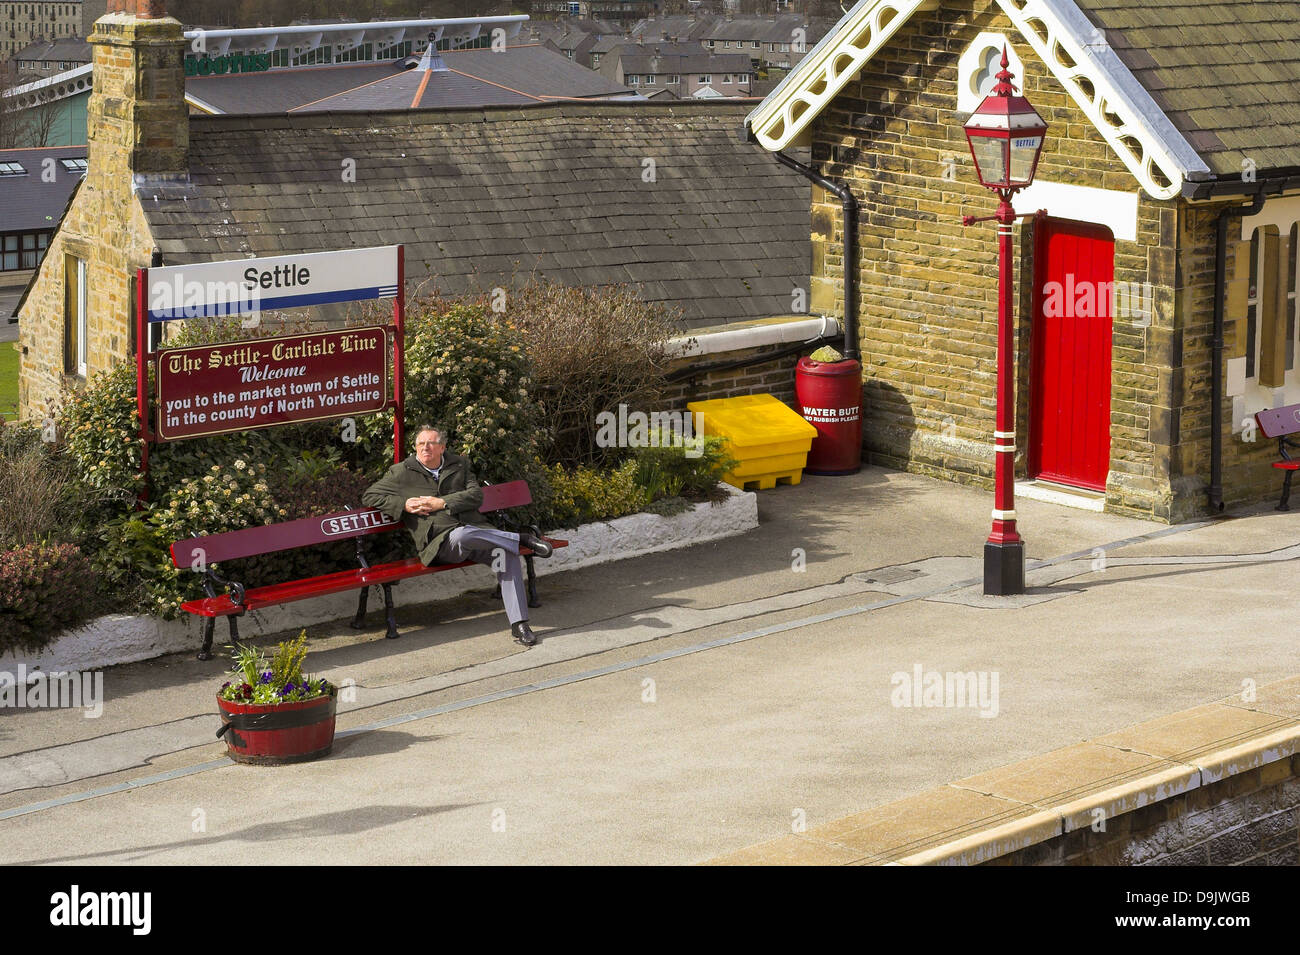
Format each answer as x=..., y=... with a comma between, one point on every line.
x=1006, y=138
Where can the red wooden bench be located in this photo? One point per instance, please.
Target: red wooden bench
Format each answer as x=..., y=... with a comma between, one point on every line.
x=200, y=553
x=1278, y=423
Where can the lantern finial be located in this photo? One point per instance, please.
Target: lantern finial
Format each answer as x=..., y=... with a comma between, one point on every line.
x=1004, y=87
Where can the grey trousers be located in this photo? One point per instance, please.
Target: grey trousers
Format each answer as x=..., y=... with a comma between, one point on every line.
x=484, y=545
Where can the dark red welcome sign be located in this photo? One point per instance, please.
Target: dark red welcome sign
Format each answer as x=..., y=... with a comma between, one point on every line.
x=216, y=389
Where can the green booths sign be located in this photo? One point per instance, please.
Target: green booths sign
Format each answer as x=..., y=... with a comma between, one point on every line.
x=233, y=63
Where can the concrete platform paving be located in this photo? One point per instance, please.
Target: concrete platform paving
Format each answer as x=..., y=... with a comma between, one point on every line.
x=683, y=705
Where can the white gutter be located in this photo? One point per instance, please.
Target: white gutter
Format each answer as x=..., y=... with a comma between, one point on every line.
x=753, y=336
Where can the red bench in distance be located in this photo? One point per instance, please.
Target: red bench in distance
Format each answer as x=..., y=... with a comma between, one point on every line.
x=1278, y=423
x=200, y=553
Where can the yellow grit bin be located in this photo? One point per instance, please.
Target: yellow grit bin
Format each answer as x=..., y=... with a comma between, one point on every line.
x=770, y=440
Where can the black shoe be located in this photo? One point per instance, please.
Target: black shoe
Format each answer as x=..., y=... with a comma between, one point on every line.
x=523, y=634
x=539, y=545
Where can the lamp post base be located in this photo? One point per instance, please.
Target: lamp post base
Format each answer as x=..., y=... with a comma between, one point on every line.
x=1004, y=568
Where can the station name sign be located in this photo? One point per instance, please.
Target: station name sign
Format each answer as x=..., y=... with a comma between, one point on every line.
x=237, y=386
x=249, y=286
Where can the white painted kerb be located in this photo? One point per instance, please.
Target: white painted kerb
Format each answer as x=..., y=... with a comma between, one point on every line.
x=121, y=638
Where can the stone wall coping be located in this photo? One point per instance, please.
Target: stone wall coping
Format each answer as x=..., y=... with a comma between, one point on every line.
x=736, y=336
x=980, y=818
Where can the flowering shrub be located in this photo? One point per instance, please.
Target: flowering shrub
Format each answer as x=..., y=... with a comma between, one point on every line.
x=467, y=368
x=100, y=431
x=44, y=589
x=279, y=680
x=135, y=554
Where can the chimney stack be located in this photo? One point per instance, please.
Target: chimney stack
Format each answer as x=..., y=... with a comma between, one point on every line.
x=137, y=121
x=143, y=9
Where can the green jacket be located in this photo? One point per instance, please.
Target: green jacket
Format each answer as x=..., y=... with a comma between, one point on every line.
x=455, y=485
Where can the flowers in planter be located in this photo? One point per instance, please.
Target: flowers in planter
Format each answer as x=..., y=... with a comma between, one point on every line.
x=255, y=679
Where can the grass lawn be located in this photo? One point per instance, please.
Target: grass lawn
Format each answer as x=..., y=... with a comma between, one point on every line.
x=8, y=381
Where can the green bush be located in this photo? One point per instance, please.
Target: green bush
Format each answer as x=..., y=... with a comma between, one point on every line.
x=42, y=498
x=100, y=432
x=44, y=590
x=582, y=495
x=674, y=466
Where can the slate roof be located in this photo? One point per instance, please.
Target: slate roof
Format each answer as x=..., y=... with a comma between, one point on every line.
x=277, y=91
x=28, y=203
x=483, y=197
x=683, y=28
x=519, y=74
x=420, y=89
x=71, y=48
x=1226, y=74
x=766, y=29
x=680, y=58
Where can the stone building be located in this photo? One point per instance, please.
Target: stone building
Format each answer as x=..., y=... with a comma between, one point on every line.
x=23, y=22
x=1173, y=140
x=662, y=196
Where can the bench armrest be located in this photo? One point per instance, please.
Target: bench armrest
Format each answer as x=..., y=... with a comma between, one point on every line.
x=234, y=587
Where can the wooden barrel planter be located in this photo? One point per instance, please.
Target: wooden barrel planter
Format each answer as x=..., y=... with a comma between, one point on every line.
x=272, y=734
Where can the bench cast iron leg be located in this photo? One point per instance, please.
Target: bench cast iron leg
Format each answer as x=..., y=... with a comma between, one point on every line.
x=532, y=584
x=1286, y=491
x=388, y=610
x=208, y=624
x=361, y=608
x=234, y=628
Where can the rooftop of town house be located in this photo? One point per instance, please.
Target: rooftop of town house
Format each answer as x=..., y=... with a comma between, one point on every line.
x=679, y=58
x=73, y=49
x=481, y=197
x=765, y=29
x=481, y=77
x=32, y=198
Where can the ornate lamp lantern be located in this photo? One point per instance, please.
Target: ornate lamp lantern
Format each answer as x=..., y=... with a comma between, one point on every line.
x=1006, y=138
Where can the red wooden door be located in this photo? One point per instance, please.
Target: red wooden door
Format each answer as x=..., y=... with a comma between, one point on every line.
x=1069, y=386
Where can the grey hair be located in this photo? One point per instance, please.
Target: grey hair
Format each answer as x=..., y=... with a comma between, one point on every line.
x=441, y=431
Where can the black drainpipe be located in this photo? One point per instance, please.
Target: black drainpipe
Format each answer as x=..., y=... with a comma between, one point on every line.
x=850, y=206
x=1215, y=490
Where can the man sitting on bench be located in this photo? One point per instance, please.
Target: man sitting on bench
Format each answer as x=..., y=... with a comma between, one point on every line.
x=433, y=492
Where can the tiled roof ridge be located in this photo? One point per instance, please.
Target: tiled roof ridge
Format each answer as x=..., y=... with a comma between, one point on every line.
x=436, y=116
